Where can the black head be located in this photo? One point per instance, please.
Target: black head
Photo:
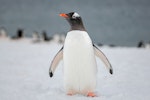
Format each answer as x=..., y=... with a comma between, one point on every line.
x=74, y=20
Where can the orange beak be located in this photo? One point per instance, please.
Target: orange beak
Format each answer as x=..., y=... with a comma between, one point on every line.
x=63, y=15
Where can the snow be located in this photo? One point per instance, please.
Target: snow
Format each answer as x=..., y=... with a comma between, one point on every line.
x=24, y=73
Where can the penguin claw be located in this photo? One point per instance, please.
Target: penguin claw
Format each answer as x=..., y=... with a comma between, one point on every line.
x=91, y=94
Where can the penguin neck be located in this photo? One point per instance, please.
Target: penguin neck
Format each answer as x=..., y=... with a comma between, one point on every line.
x=77, y=27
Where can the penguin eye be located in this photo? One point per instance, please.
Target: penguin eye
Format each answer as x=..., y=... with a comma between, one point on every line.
x=74, y=17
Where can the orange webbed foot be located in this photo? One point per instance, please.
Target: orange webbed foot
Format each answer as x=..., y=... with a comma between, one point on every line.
x=91, y=94
x=70, y=94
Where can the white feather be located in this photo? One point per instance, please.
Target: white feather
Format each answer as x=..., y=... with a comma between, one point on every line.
x=75, y=15
x=79, y=63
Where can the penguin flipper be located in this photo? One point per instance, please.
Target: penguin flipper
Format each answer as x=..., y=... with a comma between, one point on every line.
x=55, y=62
x=104, y=59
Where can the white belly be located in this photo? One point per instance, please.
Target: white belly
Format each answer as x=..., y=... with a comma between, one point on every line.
x=79, y=63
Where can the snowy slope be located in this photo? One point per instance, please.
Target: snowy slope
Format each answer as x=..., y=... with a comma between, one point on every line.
x=24, y=73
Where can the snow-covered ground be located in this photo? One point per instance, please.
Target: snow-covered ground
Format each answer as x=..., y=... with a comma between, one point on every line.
x=24, y=73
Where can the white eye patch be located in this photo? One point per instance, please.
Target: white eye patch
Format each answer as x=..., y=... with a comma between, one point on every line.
x=75, y=15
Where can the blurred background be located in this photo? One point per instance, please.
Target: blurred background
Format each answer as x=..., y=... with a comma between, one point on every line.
x=110, y=22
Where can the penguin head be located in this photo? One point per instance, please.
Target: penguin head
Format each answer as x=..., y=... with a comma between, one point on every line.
x=74, y=20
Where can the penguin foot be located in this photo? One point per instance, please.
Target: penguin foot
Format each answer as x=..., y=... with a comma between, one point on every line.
x=70, y=93
x=91, y=94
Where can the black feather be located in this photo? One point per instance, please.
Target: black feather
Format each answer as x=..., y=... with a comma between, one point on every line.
x=50, y=74
x=111, y=71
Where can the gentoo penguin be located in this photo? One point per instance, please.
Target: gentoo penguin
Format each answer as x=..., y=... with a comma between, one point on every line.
x=78, y=54
x=36, y=37
x=3, y=33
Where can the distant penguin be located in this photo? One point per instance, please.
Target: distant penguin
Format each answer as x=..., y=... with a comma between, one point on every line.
x=19, y=35
x=147, y=45
x=45, y=37
x=78, y=54
x=56, y=38
x=62, y=38
x=36, y=37
x=141, y=44
x=3, y=33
